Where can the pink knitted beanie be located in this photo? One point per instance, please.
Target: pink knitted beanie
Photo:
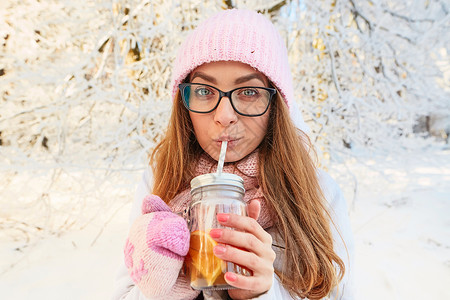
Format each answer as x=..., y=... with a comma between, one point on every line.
x=239, y=35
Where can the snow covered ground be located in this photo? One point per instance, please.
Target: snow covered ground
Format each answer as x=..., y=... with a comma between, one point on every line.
x=399, y=209
x=401, y=224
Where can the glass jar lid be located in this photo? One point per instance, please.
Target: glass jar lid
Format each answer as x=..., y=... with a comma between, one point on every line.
x=216, y=179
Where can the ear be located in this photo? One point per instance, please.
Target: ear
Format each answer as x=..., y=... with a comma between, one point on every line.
x=254, y=209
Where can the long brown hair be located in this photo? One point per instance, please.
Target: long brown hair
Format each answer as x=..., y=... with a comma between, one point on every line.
x=288, y=177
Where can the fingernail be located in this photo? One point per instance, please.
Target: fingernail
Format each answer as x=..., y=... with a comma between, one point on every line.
x=219, y=249
x=230, y=276
x=215, y=233
x=223, y=217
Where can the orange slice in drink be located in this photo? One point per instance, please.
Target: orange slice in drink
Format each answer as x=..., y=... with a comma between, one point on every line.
x=202, y=256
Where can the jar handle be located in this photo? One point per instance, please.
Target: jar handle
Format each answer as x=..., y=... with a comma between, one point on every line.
x=185, y=215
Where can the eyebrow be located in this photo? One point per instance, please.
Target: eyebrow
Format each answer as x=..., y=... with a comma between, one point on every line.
x=250, y=77
x=203, y=76
x=237, y=81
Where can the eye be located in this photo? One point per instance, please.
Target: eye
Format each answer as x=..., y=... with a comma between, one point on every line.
x=249, y=92
x=203, y=91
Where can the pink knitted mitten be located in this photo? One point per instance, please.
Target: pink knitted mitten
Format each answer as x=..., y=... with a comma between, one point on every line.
x=154, y=252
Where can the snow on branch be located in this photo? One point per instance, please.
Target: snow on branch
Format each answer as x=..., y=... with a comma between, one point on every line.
x=84, y=90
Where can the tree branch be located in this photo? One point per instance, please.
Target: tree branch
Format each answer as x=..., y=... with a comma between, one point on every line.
x=394, y=14
x=228, y=3
x=356, y=12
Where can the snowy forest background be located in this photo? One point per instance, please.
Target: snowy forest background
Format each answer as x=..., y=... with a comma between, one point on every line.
x=84, y=97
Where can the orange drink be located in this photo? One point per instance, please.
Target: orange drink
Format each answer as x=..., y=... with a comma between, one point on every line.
x=206, y=268
x=211, y=194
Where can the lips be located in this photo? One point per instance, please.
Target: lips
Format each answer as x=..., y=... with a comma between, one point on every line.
x=232, y=141
x=226, y=138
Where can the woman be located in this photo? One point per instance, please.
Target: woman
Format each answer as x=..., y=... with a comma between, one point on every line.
x=232, y=82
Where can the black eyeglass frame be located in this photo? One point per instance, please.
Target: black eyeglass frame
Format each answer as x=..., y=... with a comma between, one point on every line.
x=222, y=94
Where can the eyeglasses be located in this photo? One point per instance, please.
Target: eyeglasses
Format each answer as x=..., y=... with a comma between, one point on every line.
x=247, y=101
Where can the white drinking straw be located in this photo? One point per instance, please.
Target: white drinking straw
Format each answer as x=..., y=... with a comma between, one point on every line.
x=223, y=151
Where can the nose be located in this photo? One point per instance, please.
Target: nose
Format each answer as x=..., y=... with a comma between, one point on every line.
x=224, y=113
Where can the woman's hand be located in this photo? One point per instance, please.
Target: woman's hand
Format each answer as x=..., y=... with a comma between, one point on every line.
x=250, y=246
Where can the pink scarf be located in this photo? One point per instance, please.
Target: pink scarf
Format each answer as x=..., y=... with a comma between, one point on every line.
x=247, y=168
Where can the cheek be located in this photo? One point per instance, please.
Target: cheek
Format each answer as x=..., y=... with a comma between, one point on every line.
x=258, y=128
x=200, y=126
